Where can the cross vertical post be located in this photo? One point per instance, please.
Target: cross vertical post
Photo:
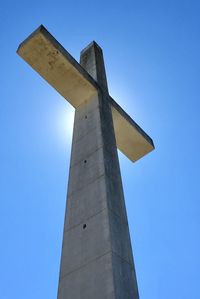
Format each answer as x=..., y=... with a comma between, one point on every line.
x=96, y=256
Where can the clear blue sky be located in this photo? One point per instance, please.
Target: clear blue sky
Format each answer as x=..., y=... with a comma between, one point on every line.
x=151, y=51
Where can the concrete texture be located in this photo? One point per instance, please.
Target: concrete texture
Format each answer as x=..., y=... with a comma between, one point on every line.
x=78, y=83
x=96, y=259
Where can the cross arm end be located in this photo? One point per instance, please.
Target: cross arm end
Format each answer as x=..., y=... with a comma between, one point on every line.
x=50, y=59
x=130, y=138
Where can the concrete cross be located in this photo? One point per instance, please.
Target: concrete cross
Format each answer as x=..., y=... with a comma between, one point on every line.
x=96, y=260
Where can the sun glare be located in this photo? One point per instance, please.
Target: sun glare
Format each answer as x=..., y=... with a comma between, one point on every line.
x=64, y=121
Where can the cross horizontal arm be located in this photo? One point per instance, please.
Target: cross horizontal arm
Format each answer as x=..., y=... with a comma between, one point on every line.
x=131, y=140
x=44, y=53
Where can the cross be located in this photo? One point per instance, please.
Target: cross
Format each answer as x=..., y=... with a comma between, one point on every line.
x=96, y=259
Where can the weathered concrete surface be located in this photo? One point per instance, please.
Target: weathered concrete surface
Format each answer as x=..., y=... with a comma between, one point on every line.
x=97, y=261
x=57, y=67
x=96, y=258
x=79, y=84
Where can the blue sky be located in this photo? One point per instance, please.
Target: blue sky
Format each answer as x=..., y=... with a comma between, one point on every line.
x=151, y=51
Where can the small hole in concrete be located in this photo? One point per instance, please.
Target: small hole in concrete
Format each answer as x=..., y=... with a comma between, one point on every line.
x=85, y=161
x=85, y=116
x=84, y=226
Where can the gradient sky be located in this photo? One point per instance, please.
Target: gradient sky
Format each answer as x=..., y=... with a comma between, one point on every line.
x=151, y=51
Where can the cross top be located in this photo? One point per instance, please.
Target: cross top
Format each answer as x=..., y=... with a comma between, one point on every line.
x=92, y=61
x=78, y=83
